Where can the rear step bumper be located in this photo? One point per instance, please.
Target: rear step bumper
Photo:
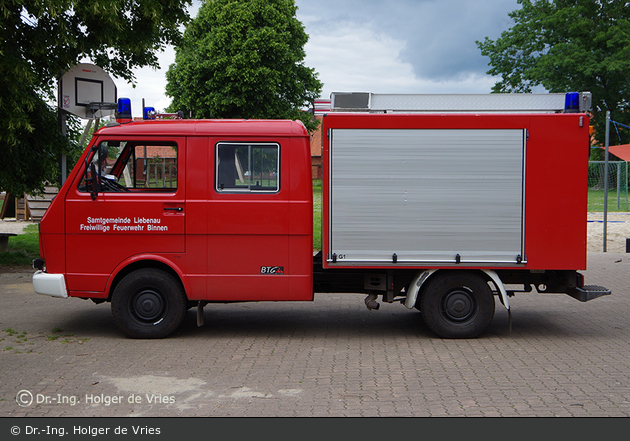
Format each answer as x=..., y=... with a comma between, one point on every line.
x=589, y=292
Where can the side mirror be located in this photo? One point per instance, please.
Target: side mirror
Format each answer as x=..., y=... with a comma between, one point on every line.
x=95, y=180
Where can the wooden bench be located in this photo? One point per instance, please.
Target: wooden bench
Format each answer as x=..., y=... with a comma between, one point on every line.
x=4, y=240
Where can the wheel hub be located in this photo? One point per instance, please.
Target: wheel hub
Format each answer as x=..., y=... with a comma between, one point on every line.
x=148, y=305
x=459, y=305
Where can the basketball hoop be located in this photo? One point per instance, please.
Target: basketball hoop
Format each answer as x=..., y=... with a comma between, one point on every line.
x=88, y=92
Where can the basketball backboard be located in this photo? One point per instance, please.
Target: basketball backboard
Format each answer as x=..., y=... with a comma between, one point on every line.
x=87, y=91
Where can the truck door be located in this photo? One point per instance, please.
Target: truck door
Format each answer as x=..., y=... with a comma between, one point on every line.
x=128, y=201
x=248, y=225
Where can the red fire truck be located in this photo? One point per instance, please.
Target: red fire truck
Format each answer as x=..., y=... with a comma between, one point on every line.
x=442, y=203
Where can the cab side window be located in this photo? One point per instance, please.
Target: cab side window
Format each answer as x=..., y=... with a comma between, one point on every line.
x=124, y=166
x=247, y=168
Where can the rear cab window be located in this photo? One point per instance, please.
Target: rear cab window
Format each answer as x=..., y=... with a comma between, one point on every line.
x=247, y=167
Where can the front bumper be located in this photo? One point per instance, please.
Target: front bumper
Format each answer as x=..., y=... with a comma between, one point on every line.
x=50, y=284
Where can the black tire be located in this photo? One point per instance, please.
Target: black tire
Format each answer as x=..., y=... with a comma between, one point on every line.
x=457, y=304
x=148, y=303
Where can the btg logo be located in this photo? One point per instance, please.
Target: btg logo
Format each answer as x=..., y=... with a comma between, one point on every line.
x=277, y=270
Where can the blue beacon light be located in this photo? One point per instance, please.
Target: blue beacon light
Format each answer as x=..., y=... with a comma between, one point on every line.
x=572, y=102
x=149, y=113
x=123, y=114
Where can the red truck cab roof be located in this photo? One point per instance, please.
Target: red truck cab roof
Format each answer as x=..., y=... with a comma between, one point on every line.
x=205, y=127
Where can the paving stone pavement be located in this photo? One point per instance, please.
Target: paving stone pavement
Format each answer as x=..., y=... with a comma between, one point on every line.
x=327, y=358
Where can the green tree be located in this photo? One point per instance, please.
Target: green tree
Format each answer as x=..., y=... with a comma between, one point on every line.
x=243, y=59
x=568, y=45
x=42, y=39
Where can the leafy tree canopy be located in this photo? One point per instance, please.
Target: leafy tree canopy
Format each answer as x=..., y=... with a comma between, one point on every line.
x=243, y=59
x=568, y=45
x=42, y=39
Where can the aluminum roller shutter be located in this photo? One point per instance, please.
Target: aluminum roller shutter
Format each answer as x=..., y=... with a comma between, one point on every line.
x=427, y=195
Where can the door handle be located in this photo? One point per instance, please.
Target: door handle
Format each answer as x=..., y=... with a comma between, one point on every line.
x=174, y=208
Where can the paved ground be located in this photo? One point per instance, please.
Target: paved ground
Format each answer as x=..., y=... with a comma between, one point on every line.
x=330, y=357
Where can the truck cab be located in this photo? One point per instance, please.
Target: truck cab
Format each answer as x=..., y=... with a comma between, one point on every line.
x=158, y=215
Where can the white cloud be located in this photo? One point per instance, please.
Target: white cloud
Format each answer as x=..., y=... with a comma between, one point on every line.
x=150, y=85
x=353, y=58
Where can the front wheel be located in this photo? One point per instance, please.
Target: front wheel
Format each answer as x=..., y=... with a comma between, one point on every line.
x=457, y=305
x=148, y=303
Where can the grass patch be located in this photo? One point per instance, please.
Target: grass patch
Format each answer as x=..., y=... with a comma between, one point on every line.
x=22, y=249
x=596, y=201
x=54, y=336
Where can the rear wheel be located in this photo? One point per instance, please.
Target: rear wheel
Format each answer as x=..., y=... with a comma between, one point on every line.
x=148, y=303
x=457, y=304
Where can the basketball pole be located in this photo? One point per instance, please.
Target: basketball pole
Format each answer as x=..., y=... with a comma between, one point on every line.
x=63, y=118
x=606, y=178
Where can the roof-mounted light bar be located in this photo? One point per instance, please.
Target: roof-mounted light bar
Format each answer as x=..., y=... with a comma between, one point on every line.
x=148, y=113
x=448, y=103
x=123, y=112
x=577, y=102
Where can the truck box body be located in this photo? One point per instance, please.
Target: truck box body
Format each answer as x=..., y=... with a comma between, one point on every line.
x=467, y=190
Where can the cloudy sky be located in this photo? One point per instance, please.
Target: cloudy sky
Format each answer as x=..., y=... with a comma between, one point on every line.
x=393, y=46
